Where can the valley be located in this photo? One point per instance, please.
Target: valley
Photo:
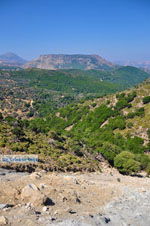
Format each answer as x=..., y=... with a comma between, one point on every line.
x=71, y=118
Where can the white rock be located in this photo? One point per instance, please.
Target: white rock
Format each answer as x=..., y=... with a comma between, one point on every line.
x=45, y=208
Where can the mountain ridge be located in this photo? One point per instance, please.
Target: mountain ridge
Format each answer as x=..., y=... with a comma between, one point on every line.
x=69, y=61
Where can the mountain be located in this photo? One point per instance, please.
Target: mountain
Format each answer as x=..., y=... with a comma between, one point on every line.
x=11, y=59
x=75, y=61
x=139, y=64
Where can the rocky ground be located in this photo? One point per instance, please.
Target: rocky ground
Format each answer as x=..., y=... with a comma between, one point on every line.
x=73, y=199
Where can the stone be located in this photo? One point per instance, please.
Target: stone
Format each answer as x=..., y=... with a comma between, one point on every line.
x=37, y=212
x=76, y=181
x=64, y=199
x=45, y=208
x=71, y=211
x=29, y=205
x=107, y=220
x=42, y=186
x=118, y=179
x=3, y=220
x=4, y=206
x=2, y=174
x=31, y=194
x=35, y=175
x=29, y=188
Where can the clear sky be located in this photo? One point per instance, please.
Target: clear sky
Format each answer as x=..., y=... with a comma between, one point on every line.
x=114, y=29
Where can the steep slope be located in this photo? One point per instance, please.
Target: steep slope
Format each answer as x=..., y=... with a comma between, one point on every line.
x=75, y=61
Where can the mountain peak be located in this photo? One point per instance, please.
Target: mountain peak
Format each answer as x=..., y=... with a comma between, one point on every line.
x=10, y=58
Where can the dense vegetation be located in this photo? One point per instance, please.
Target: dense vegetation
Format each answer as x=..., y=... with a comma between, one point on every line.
x=71, y=137
x=35, y=92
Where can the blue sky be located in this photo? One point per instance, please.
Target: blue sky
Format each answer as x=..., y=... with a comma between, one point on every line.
x=114, y=29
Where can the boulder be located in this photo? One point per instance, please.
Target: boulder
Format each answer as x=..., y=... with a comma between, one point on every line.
x=45, y=208
x=31, y=193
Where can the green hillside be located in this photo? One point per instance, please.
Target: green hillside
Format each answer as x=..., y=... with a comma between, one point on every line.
x=35, y=92
x=114, y=127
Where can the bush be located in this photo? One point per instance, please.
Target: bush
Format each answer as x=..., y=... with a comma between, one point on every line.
x=30, y=114
x=131, y=96
x=148, y=170
x=144, y=160
x=126, y=164
x=146, y=100
x=118, y=122
x=132, y=166
x=93, y=104
x=139, y=112
x=130, y=125
x=135, y=145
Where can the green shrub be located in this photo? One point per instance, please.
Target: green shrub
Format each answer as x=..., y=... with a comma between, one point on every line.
x=146, y=100
x=130, y=125
x=148, y=170
x=118, y=122
x=144, y=160
x=93, y=104
x=139, y=112
x=135, y=145
x=126, y=164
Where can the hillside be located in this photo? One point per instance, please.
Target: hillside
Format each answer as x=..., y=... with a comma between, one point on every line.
x=36, y=92
x=75, y=61
x=80, y=136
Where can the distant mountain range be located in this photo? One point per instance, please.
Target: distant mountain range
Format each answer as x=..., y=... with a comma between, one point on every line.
x=140, y=64
x=67, y=61
x=75, y=61
x=11, y=59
